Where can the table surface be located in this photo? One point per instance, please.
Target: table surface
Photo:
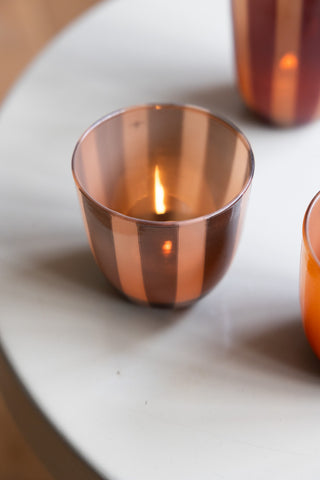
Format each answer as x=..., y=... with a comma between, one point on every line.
x=226, y=389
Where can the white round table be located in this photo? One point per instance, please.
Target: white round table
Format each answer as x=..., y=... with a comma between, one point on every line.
x=106, y=389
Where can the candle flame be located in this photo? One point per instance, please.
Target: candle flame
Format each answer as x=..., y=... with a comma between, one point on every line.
x=167, y=247
x=158, y=193
x=289, y=61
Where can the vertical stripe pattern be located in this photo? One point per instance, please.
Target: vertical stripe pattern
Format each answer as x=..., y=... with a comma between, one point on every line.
x=165, y=132
x=99, y=224
x=135, y=148
x=126, y=242
x=317, y=109
x=242, y=209
x=159, y=268
x=191, y=257
x=193, y=156
x=309, y=72
x=204, y=163
x=220, y=159
x=85, y=221
x=164, y=144
x=276, y=46
x=109, y=140
x=238, y=172
x=91, y=171
x=262, y=15
x=286, y=60
x=220, y=238
x=242, y=47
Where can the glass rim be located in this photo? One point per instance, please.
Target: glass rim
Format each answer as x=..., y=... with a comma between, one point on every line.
x=148, y=106
x=305, y=228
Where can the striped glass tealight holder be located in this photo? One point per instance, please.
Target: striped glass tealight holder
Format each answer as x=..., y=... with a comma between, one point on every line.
x=163, y=190
x=277, y=54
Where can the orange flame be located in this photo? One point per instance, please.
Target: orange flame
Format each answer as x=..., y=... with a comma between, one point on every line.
x=167, y=247
x=159, y=204
x=289, y=61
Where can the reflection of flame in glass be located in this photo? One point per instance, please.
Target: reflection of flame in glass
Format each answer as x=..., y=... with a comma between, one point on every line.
x=289, y=61
x=158, y=193
x=167, y=247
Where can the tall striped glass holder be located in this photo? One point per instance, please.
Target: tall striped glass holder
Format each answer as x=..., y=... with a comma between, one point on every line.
x=277, y=46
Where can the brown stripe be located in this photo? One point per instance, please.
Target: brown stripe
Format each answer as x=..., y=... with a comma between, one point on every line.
x=159, y=264
x=191, y=253
x=242, y=48
x=220, y=150
x=309, y=74
x=262, y=19
x=100, y=226
x=221, y=233
x=109, y=141
x=164, y=145
x=85, y=221
x=286, y=61
x=193, y=156
x=126, y=244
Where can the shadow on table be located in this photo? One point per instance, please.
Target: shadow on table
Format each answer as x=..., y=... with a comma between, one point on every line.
x=282, y=350
x=78, y=268
x=224, y=100
x=279, y=348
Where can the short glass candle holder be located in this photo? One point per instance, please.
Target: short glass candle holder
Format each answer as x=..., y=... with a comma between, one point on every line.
x=163, y=190
x=310, y=274
x=277, y=56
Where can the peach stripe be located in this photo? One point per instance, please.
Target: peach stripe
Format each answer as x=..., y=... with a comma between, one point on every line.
x=238, y=172
x=135, y=145
x=242, y=46
x=92, y=168
x=317, y=110
x=286, y=60
x=128, y=258
x=193, y=156
x=191, y=258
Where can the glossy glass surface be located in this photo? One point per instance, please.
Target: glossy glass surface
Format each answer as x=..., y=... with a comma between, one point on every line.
x=163, y=189
x=277, y=56
x=310, y=274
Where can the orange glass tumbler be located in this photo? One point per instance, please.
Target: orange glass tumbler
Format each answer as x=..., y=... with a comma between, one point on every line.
x=163, y=190
x=310, y=274
x=277, y=56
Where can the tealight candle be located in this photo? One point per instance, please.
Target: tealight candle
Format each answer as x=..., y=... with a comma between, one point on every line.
x=161, y=207
x=163, y=190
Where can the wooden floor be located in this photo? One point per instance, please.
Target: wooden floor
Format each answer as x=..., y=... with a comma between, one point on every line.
x=25, y=26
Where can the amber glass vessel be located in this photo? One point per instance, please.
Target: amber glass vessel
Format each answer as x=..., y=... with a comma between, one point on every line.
x=163, y=189
x=277, y=55
x=310, y=274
